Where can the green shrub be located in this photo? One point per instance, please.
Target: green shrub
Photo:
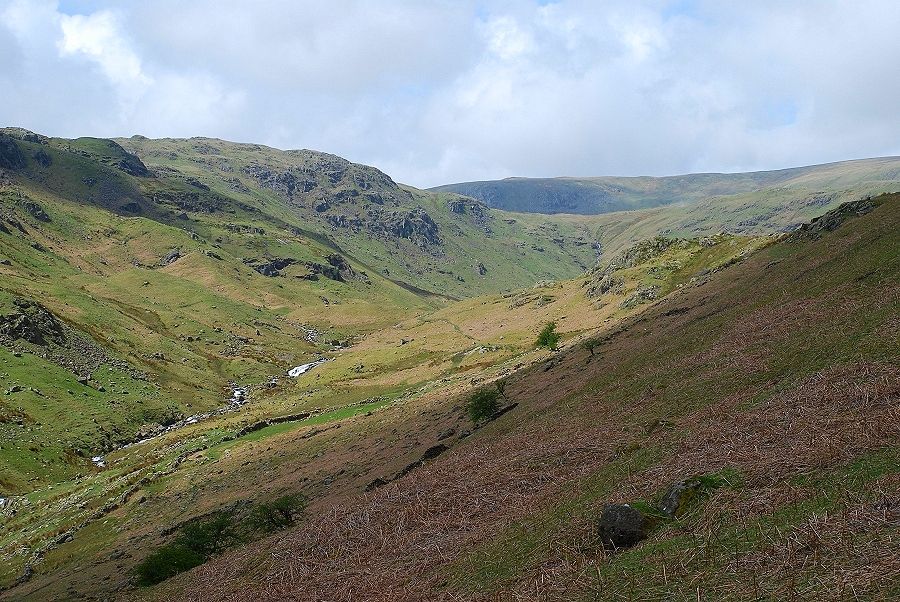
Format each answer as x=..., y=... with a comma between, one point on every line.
x=208, y=536
x=548, y=337
x=201, y=539
x=278, y=514
x=483, y=404
x=166, y=562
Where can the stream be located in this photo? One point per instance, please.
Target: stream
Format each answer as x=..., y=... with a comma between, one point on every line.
x=239, y=397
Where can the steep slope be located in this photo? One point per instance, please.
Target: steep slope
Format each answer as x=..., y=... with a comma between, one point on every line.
x=767, y=393
x=151, y=307
x=757, y=193
x=438, y=244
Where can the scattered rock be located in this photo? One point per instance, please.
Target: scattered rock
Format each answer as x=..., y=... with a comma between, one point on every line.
x=457, y=205
x=833, y=219
x=684, y=495
x=35, y=210
x=130, y=163
x=446, y=434
x=273, y=267
x=430, y=454
x=197, y=183
x=171, y=257
x=608, y=283
x=642, y=295
x=243, y=229
x=622, y=526
x=376, y=483
x=344, y=270
x=434, y=451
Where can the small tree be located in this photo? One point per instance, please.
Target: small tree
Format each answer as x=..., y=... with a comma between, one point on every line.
x=208, y=536
x=501, y=386
x=483, y=404
x=548, y=337
x=278, y=514
x=590, y=345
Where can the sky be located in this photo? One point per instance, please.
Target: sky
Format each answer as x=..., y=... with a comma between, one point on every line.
x=455, y=90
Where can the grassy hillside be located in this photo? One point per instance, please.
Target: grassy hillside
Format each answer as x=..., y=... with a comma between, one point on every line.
x=155, y=293
x=767, y=391
x=756, y=192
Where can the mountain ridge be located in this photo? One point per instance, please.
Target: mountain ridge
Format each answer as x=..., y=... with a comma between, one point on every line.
x=601, y=194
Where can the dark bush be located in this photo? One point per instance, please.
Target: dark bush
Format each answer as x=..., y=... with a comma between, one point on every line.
x=203, y=538
x=166, y=562
x=483, y=404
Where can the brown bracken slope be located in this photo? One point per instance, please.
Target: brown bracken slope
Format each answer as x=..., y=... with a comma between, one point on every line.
x=776, y=379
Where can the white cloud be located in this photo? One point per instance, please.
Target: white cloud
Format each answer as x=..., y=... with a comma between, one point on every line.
x=506, y=39
x=97, y=37
x=448, y=91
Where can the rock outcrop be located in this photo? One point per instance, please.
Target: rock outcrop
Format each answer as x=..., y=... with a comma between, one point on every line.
x=11, y=156
x=31, y=322
x=272, y=267
x=833, y=219
x=42, y=158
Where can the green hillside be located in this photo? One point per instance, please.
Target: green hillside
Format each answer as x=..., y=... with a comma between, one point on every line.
x=436, y=242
